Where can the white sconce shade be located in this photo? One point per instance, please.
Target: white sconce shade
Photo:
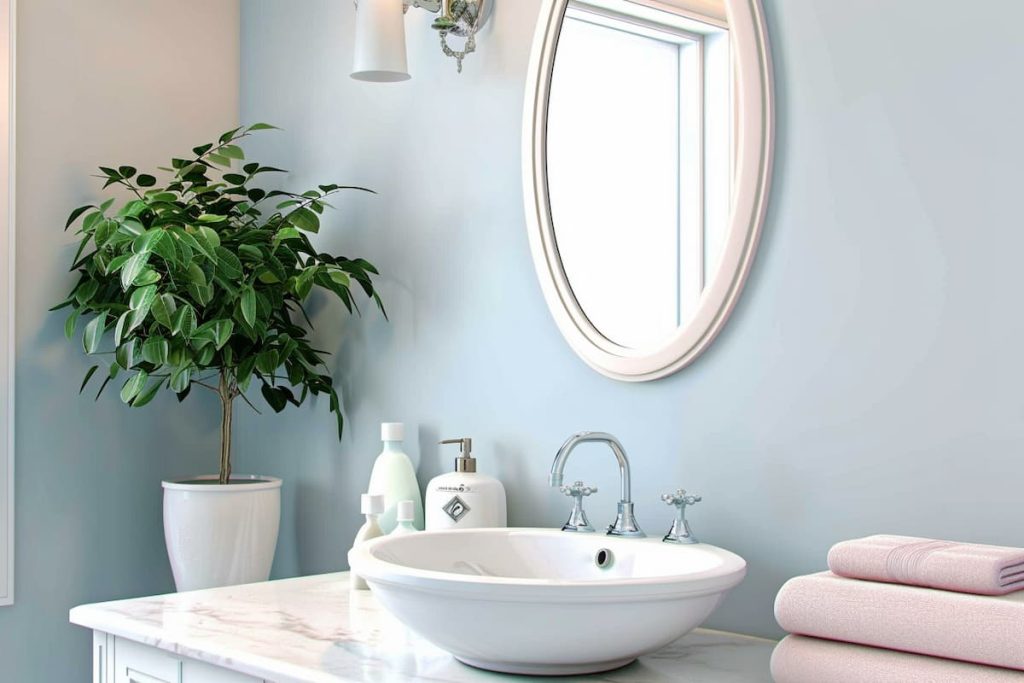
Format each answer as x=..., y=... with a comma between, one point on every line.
x=380, y=42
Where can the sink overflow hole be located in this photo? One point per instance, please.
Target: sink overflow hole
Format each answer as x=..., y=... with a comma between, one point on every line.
x=604, y=558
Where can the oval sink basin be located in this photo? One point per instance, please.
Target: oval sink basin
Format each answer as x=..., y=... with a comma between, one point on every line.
x=542, y=601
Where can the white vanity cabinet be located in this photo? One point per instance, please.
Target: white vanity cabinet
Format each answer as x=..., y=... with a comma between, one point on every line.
x=119, y=660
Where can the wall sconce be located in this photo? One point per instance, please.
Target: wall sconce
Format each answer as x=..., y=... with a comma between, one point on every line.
x=380, y=34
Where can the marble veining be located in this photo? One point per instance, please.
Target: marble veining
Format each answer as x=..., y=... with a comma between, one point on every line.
x=314, y=629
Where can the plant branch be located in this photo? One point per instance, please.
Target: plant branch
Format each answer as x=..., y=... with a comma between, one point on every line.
x=246, y=399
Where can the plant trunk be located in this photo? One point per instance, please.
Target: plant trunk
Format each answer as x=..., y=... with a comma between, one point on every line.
x=227, y=398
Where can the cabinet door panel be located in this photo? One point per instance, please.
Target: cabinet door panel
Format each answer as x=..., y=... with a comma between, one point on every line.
x=135, y=663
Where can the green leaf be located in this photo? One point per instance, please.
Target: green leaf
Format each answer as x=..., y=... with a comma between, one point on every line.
x=211, y=237
x=232, y=152
x=145, y=180
x=120, y=328
x=336, y=409
x=126, y=171
x=244, y=372
x=94, y=333
x=202, y=294
x=219, y=159
x=104, y=231
x=235, y=178
x=125, y=354
x=228, y=135
x=196, y=275
x=211, y=218
x=181, y=379
x=199, y=243
x=142, y=298
x=205, y=355
x=155, y=350
x=261, y=126
x=117, y=263
x=132, y=268
x=136, y=318
x=222, y=330
x=340, y=277
x=184, y=322
x=164, y=307
x=148, y=276
x=146, y=396
x=162, y=197
x=273, y=397
x=228, y=265
x=166, y=249
x=304, y=219
x=248, y=303
x=71, y=323
x=304, y=282
x=132, y=227
x=286, y=234
x=86, y=290
x=267, y=362
x=133, y=385
x=148, y=240
x=90, y=221
x=133, y=208
x=76, y=213
x=88, y=376
x=250, y=253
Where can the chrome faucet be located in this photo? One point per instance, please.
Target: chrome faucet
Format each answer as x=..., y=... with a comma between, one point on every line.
x=625, y=523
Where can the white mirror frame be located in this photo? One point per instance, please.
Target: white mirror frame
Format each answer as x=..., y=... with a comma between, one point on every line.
x=754, y=153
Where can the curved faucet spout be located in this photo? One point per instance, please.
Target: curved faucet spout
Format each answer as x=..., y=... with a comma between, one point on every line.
x=625, y=524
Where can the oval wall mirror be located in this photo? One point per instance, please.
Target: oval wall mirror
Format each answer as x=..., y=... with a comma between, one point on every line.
x=647, y=158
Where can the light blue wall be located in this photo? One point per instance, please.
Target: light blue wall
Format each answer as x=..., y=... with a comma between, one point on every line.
x=869, y=380
x=102, y=82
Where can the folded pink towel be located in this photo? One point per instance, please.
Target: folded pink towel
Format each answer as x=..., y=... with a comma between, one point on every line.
x=971, y=628
x=798, y=659
x=959, y=567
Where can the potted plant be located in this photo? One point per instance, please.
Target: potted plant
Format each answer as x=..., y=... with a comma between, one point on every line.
x=202, y=285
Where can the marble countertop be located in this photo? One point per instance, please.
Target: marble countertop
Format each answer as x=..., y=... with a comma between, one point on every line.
x=314, y=629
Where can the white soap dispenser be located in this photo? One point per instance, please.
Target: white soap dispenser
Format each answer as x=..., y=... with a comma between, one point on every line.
x=465, y=499
x=372, y=506
x=394, y=477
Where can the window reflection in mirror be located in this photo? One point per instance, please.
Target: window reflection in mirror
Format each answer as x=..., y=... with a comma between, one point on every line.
x=639, y=160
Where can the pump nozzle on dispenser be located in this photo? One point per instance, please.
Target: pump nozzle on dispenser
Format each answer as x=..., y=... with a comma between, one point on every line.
x=465, y=462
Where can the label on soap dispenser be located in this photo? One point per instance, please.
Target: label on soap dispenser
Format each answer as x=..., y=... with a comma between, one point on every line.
x=456, y=508
x=460, y=504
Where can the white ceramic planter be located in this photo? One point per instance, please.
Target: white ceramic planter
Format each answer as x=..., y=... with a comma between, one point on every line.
x=221, y=535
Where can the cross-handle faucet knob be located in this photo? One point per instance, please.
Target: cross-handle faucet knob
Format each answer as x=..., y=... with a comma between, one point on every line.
x=578, y=518
x=680, y=531
x=578, y=489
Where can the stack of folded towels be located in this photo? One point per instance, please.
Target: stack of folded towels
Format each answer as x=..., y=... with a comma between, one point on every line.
x=900, y=609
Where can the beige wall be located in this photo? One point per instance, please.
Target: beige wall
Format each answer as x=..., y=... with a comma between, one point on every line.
x=99, y=82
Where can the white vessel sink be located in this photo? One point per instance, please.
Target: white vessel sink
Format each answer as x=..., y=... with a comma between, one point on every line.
x=546, y=602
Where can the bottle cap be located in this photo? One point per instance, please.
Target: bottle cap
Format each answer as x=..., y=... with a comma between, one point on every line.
x=392, y=431
x=372, y=503
x=406, y=511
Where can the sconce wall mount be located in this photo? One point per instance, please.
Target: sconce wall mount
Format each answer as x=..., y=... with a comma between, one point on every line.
x=380, y=34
